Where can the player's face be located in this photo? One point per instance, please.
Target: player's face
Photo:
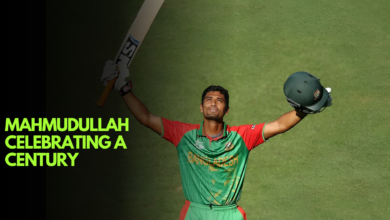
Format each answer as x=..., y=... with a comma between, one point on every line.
x=214, y=105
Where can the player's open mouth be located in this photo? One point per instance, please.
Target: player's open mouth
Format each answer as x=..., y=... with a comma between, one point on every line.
x=213, y=110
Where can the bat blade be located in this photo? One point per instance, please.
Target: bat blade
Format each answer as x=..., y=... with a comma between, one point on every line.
x=133, y=40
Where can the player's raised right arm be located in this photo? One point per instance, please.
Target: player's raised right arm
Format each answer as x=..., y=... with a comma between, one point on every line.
x=141, y=113
x=136, y=107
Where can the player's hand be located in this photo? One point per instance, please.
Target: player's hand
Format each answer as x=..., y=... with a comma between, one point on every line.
x=123, y=74
x=110, y=72
x=329, y=102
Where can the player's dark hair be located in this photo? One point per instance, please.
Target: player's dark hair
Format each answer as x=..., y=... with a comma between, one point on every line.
x=220, y=89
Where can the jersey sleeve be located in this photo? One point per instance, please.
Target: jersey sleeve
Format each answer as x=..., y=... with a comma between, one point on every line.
x=173, y=131
x=253, y=135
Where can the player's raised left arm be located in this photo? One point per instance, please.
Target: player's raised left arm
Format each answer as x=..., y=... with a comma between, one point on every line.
x=283, y=123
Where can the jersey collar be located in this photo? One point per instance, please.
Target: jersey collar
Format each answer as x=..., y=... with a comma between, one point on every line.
x=200, y=133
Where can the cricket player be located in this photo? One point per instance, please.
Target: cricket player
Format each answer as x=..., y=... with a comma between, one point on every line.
x=213, y=155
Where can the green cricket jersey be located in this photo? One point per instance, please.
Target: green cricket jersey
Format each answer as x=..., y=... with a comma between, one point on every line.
x=212, y=170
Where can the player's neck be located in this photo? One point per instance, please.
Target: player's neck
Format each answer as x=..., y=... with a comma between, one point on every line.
x=212, y=127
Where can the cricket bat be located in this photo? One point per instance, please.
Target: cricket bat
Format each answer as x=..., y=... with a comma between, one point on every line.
x=133, y=39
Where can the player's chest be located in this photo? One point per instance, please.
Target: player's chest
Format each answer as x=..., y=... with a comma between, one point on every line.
x=217, y=155
x=203, y=145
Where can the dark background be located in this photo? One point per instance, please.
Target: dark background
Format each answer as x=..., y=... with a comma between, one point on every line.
x=25, y=96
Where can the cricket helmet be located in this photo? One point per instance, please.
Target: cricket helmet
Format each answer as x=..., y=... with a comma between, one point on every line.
x=305, y=92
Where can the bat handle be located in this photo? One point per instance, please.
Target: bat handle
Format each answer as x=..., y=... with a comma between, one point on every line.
x=103, y=97
x=105, y=93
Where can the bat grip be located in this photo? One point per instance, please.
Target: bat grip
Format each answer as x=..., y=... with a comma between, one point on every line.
x=103, y=97
x=105, y=93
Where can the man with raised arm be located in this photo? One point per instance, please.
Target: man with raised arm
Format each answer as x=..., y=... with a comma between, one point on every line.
x=213, y=155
